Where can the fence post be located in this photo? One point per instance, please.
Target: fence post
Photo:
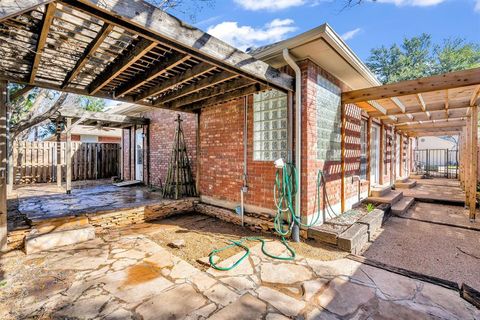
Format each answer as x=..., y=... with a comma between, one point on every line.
x=68, y=156
x=3, y=165
x=59, y=155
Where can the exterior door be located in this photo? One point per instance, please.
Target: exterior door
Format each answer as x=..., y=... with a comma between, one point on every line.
x=375, y=155
x=139, y=154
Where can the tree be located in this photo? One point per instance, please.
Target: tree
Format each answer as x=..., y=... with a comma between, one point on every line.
x=418, y=57
x=189, y=8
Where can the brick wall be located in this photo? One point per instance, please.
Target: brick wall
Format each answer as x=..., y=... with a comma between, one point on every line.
x=331, y=169
x=221, y=159
x=161, y=134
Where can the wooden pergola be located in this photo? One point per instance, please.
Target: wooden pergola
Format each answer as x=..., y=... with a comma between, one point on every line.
x=125, y=50
x=441, y=105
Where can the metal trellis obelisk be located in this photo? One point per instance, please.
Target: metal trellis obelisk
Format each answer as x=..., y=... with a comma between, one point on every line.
x=179, y=181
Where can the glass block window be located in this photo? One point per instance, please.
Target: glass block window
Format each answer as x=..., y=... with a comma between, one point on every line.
x=269, y=125
x=329, y=120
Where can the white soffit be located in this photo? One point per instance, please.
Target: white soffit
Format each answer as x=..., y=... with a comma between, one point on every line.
x=324, y=47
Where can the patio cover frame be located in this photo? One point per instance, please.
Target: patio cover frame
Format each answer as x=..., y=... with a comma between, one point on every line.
x=440, y=105
x=125, y=50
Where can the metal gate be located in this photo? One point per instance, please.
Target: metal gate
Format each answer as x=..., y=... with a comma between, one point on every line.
x=441, y=163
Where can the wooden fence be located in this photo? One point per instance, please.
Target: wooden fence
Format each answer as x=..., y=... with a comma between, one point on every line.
x=36, y=162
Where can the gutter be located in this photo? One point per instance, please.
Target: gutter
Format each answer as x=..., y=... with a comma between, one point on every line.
x=298, y=136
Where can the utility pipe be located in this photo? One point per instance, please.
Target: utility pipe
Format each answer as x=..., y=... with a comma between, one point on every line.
x=244, y=188
x=298, y=136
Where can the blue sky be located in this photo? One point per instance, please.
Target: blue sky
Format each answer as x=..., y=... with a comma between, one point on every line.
x=246, y=23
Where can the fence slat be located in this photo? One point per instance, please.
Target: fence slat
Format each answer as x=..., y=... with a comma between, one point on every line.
x=35, y=162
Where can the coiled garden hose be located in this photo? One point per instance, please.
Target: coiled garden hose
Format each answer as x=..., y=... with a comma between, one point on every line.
x=284, y=191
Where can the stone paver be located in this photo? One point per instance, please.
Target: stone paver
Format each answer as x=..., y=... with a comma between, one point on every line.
x=127, y=276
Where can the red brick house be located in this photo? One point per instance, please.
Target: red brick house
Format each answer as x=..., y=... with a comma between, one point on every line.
x=328, y=67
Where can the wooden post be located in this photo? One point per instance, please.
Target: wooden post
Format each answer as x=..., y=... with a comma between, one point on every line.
x=474, y=163
x=401, y=156
x=197, y=154
x=369, y=156
x=342, y=154
x=147, y=152
x=382, y=151
x=468, y=161
x=121, y=156
x=59, y=156
x=392, y=156
x=3, y=165
x=68, y=157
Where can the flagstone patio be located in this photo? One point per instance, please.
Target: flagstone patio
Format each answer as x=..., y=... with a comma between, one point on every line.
x=125, y=275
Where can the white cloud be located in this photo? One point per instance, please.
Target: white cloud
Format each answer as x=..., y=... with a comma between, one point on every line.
x=477, y=6
x=244, y=37
x=350, y=34
x=414, y=3
x=269, y=4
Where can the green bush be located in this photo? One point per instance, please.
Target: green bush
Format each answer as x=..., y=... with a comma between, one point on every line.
x=370, y=207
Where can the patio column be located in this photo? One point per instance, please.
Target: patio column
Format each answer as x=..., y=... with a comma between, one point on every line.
x=468, y=161
x=401, y=157
x=369, y=147
x=59, y=155
x=474, y=163
x=3, y=165
x=68, y=156
x=342, y=159
x=382, y=151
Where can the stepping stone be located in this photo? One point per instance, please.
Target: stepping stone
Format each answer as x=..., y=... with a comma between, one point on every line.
x=391, y=197
x=406, y=185
x=37, y=241
x=402, y=205
x=380, y=191
x=247, y=307
x=177, y=244
x=176, y=303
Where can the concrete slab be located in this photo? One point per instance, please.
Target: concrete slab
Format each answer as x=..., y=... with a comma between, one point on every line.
x=380, y=191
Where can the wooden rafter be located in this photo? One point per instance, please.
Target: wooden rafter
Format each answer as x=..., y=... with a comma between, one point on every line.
x=120, y=65
x=102, y=117
x=197, y=86
x=88, y=53
x=155, y=71
x=226, y=97
x=159, y=26
x=475, y=96
x=211, y=92
x=434, y=83
x=423, y=105
x=42, y=39
x=177, y=80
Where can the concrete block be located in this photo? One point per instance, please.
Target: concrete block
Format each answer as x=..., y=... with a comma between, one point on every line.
x=354, y=238
x=380, y=191
x=60, y=224
x=36, y=241
x=373, y=221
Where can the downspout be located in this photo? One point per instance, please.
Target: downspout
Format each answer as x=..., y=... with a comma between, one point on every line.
x=298, y=136
x=244, y=188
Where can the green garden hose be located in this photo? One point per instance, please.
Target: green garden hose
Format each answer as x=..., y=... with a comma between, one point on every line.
x=284, y=191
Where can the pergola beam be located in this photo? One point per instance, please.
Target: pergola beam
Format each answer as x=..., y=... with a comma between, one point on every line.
x=106, y=118
x=208, y=93
x=155, y=71
x=433, y=133
x=120, y=65
x=175, y=81
x=42, y=39
x=88, y=53
x=197, y=86
x=157, y=25
x=434, y=83
x=226, y=97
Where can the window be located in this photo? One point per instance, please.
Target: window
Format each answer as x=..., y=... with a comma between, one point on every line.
x=363, y=150
x=269, y=125
x=329, y=120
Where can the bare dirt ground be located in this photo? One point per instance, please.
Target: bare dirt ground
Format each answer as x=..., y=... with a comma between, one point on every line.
x=203, y=234
x=446, y=252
